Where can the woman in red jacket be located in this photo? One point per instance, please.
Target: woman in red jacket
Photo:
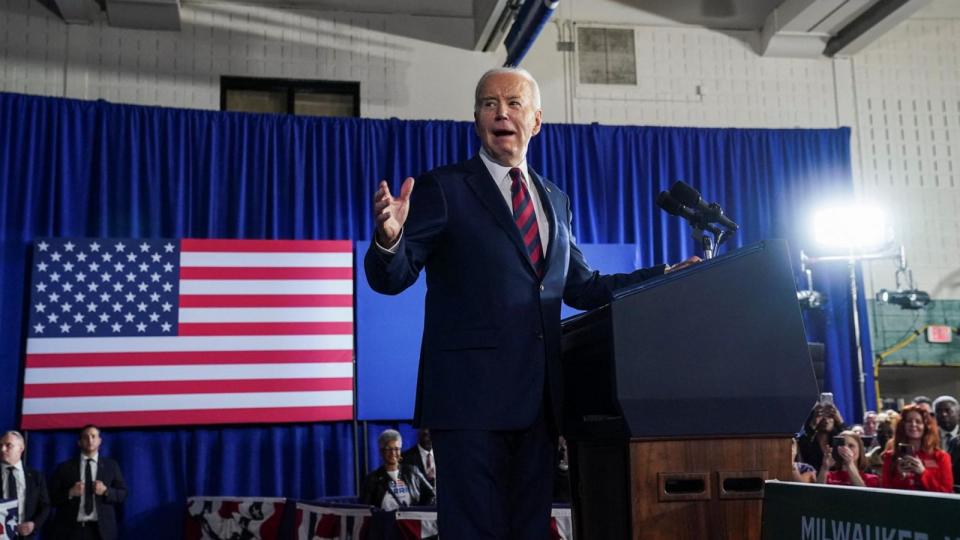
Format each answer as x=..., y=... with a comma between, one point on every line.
x=913, y=459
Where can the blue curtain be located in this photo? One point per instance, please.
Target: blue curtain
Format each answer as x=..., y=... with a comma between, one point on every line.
x=77, y=168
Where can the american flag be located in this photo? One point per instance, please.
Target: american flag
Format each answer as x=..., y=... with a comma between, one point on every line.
x=132, y=332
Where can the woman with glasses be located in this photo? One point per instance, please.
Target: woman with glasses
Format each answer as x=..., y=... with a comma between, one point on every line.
x=395, y=485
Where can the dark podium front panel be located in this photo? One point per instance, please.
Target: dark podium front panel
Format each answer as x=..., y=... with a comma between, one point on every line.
x=715, y=350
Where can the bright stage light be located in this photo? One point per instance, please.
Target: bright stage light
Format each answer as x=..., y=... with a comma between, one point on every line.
x=852, y=228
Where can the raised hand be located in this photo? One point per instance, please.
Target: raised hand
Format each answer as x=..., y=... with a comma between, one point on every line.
x=390, y=212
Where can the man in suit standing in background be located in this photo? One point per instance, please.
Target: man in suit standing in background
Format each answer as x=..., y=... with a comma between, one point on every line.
x=496, y=241
x=87, y=490
x=25, y=485
x=421, y=456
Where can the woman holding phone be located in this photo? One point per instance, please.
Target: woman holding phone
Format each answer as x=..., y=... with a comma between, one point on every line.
x=913, y=459
x=846, y=463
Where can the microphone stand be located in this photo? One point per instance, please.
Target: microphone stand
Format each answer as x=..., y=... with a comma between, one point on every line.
x=708, y=244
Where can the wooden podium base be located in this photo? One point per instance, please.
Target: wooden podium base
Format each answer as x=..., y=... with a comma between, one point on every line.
x=678, y=490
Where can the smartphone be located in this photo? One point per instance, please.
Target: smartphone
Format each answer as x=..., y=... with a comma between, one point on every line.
x=869, y=441
x=904, y=450
x=835, y=443
x=826, y=398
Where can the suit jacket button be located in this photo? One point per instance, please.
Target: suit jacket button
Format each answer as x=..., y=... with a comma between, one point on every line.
x=539, y=336
x=541, y=287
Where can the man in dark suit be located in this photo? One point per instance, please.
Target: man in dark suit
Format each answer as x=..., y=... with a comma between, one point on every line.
x=421, y=456
x=87, y=490
x=24, y=484
x=496, y=241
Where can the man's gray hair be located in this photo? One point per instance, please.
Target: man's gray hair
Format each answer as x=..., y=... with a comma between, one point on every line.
x=388, y=435
x=535, y=88
x=16, y=434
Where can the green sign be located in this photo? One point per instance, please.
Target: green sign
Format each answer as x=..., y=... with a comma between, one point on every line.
x=818, y=512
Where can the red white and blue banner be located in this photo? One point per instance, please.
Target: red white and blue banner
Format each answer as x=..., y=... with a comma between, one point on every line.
x=133, y=332
x=332, y=522
x=233, y=518
x=9, y=517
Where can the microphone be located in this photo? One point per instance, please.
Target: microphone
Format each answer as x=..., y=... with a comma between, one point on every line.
x=688, y=196
x=673, y=207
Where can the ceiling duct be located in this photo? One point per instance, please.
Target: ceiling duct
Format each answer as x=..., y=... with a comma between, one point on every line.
x=531, y=18
x=144, y=14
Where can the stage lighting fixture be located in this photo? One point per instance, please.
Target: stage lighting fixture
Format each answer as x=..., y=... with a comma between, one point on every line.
x=907, y=299
x=852, y=229
x=810, y=299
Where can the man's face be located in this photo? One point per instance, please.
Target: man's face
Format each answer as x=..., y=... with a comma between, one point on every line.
x=424, y=440
x=947, y=415
x=870, y=424
x=90, y=441
x=506, y=117
x=11, y=449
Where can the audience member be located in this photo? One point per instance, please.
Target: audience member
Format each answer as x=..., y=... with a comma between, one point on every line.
x=822, y=425
x=394, y=485
x=913, y=459
x=87, y=490
x=870, y=424
x=802, y=472
x=846, y=464
x=421, y=456
x=561, y=473
x=25, y=485
x=924, y=402
x=954, y=451
x=948, y=413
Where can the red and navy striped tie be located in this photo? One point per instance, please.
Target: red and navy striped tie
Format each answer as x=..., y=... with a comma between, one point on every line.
x=526, y=220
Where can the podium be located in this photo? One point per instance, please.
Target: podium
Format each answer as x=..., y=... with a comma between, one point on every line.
x=682, y=394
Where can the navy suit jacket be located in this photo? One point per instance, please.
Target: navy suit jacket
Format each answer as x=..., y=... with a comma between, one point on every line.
x=36, y=501
x=68, y=474
x=491, y=336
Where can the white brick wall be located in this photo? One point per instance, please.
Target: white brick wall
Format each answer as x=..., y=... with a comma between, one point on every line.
x=901, y=95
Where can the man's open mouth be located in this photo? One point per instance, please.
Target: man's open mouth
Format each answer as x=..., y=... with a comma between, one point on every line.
x=503, y=132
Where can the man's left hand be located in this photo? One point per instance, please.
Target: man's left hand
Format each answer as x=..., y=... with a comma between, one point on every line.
x=100, y=488
x=25, y=528
x=686, y=263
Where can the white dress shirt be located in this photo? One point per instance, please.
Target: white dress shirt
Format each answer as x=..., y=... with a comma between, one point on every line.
x=81, y=516
x=501, y=175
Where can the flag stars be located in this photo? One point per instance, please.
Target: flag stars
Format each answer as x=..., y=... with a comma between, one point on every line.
x=91, y=307
x=40, y=307
x=117, y=307
x=115, y=327
x=54, y=297
x=167, y=287
x=168, y=267
x=92, y=286
x=131, y=277
x=78, y=318
x=39, y=328
x=42, y=287
x=117, y=287
x=141, y=327
x=105, y=277
x=95, y=246
x=142, y=287
x=94, y=266
x=68, y=267
x=107, y=257
x=155, y=297
x=130, y=297
x=91, y=328
x=64, y=328
x=118, y=267
x=81, y=276
x=141, y=307
x=145, y=247
x=120, y=247
x=155, y=277
x=104, y=318
x=168, y=247
x=166, y=306
x=128, y=317
x=42, y=267
x=55, y=277
x=144, y=267
x=165, y=326
x=55, y=256
x=154, y=317
x=155, y=257
x=131, y=257
x=43, y=246
x=79, y=297
x=68, y=287
x=53, y=318
x=69, y=246
x=82, y=257
x=104, y=297
x=66, y=307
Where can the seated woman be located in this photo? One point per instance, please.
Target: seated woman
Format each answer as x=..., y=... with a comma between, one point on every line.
x=850, y=469
x=394, y=485
x=913, y=458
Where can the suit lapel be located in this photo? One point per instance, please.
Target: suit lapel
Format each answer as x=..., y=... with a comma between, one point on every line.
x=486, y=190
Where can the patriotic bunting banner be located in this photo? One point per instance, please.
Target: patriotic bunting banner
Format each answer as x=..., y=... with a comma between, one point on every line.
x=126, y=332
x=227, y=518
x=9, y=517
x=334, y=522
